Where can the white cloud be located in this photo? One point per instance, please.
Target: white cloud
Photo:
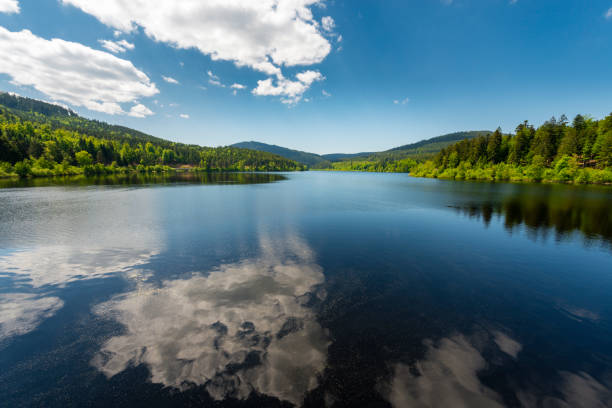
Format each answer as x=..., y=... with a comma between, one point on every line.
x=184, y=116
x=140, y=111
x=71, y=72
x=237, y=87
x=265, y=35
x=290, y=91
x=609, y=14
x=211, y=75
x=9, y=6
x=308, y=77
x=214, y=79
x=170, y=80
x=21, y=313
x=240, y=328
x=328, y=23
x=325, y=93
x=401, y=102
x=216, y=83
x=116, y=46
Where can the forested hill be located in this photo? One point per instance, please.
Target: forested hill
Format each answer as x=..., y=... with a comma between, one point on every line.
x=448, y=138
x=309, y=159
x=425, y=148
x=28, y=109
x=557, y=151
x=39, y=138
x=29, y=105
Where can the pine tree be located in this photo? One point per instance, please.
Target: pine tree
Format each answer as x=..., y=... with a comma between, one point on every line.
x=494, y=147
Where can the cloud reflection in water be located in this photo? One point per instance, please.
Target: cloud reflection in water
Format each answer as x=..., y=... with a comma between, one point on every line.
x=21, y=313
x=448, y=377
x=59, y=265
x=243, y=327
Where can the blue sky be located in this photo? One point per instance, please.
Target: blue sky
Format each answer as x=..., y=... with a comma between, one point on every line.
x=321, y=76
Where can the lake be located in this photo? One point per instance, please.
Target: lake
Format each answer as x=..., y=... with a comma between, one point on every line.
x=307, y=289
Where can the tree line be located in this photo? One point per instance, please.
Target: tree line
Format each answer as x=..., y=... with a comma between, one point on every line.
x=557, y=151
x=384, y=165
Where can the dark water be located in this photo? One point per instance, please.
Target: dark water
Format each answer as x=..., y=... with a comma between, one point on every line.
x=313, y=289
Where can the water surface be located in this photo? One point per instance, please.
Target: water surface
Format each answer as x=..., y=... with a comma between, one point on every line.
x=305, y=289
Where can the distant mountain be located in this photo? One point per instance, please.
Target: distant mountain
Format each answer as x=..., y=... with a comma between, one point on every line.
x=309, y=159
x=448, y=138
x=425, y=149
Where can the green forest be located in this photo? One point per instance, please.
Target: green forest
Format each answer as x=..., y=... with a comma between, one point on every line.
x=41, y=139
x=385, y=165
x=557, y=151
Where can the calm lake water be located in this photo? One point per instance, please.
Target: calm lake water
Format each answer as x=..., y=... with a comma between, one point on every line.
x=308, y=289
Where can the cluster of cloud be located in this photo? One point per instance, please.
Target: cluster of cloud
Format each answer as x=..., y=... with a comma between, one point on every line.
x=140, y=111
x=401, y=101
x=448, y=377
x=291, y=92
x=9, y=6
x=216, y=81
x=264, y=35
x=241, y=328
x=117, y=46
x=74, y=73
x=328, y=23
x=21, y=313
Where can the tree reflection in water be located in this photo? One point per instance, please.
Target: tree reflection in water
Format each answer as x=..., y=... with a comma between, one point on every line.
x=562, y=214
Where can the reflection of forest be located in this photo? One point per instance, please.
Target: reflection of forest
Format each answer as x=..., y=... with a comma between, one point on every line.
x=151, y=178
x=542, y=214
